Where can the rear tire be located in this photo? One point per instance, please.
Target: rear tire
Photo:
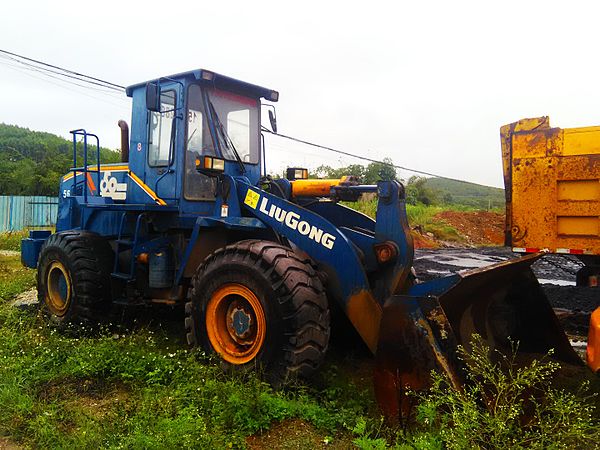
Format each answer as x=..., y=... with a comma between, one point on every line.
x=258, y=305
x=73, y=278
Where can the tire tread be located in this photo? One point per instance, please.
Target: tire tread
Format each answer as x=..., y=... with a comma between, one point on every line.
x=300, y=293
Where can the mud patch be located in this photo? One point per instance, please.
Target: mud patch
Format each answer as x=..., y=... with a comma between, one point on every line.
x=93, y=397
x=296, y=434
x=423, y=240
x=430, y=264
x=26, y=300
x=7, y=444
x=476, y=227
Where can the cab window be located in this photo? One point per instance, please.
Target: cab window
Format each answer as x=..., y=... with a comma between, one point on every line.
x=161, y=132
x=197, y=186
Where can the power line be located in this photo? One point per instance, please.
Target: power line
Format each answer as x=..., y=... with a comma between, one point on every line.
x=20, y=70
x=364, y=158
x=42, y=71
x=47, y=73
x=106, y=83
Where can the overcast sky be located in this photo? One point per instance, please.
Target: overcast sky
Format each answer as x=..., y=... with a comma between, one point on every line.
x=426, y=83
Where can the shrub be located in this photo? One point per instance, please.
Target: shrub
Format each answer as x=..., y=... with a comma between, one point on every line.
x=504, y=406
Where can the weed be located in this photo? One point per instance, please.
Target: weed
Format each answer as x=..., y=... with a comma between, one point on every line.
x=367, y=437
x=503, y=406
x=419, y=215
x=11, y=240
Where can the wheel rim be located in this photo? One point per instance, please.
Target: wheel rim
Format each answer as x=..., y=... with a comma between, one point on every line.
x=235, y=323
x=58, y=287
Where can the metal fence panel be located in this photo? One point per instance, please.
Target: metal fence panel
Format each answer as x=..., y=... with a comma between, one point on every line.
x=20, y=212
x=4, y=212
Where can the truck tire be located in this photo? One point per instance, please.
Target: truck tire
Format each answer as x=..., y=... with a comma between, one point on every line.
x=258, y=305
x=73, y=278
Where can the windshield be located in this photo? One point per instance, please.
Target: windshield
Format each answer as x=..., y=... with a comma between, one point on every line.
x=239, y=117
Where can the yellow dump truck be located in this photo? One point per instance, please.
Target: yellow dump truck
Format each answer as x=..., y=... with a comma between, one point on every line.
x=552, y=181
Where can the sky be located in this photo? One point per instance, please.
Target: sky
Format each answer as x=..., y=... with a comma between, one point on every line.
x=425, y=83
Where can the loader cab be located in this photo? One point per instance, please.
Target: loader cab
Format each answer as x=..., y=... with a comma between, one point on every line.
x=183, y=122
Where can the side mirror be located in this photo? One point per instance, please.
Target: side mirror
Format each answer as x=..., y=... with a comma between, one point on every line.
x=153, y=97
x=273, y=121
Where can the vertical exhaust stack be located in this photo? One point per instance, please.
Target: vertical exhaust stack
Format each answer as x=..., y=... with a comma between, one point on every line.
x=124, y=140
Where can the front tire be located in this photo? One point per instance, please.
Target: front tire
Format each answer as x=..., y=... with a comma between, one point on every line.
x=73, y=278
x=257, y=304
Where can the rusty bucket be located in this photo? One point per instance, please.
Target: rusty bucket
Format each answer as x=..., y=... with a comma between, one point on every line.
x=420, y=331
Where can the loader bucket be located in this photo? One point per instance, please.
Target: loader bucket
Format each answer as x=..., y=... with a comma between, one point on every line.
x=420, y=332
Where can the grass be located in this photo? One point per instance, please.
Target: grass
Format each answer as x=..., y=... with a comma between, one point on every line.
x=11, y=240
x=138, y=386
x=139, y=389
x=14, y=278
x=420, y=216
x=142, y=388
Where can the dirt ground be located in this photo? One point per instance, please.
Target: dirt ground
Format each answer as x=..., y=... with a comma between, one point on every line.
x=424, y=241
x=7, y=444
x=477, y=227
x=296, y=434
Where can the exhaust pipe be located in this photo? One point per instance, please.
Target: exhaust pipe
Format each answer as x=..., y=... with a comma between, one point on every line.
x=124, y=140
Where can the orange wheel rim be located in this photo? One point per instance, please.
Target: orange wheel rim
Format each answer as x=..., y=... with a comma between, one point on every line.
x=235, y=323
x=58, y=288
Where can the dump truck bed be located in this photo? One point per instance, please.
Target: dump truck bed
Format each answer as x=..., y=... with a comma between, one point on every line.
x=552, y=179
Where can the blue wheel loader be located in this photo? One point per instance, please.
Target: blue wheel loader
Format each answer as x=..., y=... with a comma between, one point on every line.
x=191, y=217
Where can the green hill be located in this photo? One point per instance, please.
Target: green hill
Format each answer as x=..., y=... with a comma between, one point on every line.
x=467, y=194
x=32, y=162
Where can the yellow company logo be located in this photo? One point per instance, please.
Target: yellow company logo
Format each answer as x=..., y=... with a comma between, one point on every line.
x=252, y=198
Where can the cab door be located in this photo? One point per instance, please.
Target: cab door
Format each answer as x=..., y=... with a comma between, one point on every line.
x=197, y=187
x=163, y=136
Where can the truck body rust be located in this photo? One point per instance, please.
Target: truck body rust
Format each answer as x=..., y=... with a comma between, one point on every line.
x=552, y=179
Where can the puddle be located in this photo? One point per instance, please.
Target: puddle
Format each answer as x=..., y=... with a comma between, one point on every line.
x=464, y=260
x=556, y=282
x=578, y=344
x=440, y=272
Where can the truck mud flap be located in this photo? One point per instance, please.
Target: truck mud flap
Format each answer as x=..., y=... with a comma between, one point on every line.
x=420, y=331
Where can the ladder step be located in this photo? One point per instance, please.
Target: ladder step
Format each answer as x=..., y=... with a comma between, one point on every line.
x=125, y=242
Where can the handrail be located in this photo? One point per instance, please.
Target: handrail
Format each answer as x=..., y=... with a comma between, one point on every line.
x=82, y=132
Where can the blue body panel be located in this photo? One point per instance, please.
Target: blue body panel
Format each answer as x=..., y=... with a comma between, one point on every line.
x=312, y=233
x=30, y=247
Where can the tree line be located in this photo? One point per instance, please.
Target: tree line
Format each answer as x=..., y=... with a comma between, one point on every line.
x=417, y=190
x=420, y=190
x=32, y=162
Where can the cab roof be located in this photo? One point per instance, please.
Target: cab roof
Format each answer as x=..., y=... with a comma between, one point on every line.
x=220, y=81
